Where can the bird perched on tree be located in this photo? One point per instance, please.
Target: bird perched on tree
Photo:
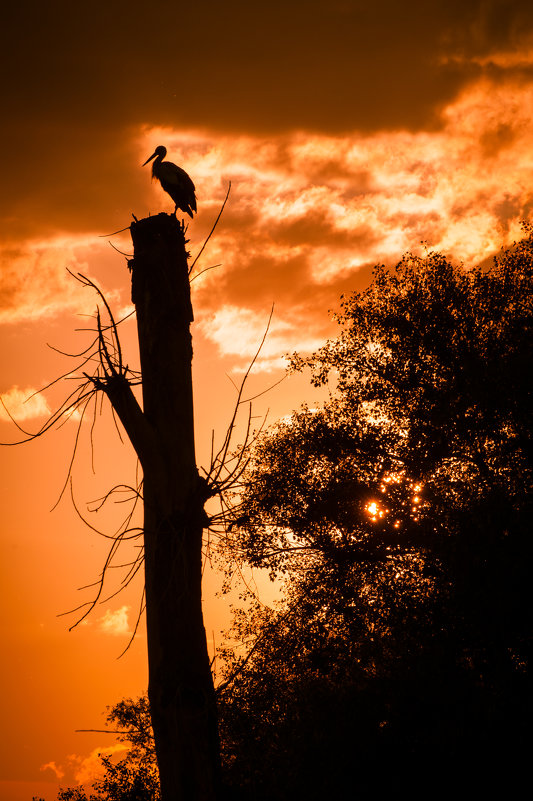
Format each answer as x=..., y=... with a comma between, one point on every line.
x=174, y=180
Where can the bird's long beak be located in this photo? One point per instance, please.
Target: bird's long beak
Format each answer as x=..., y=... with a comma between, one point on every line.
x=150, y=159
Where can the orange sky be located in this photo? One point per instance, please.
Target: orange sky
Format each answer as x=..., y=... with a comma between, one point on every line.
x=351, y=132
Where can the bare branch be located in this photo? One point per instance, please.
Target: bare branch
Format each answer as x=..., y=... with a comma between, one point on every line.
x=191, y=268
x=127, y=228
x=222, y=453
x=204, y=271
x=128, y=255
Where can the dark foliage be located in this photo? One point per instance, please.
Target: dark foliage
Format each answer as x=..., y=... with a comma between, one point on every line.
x=400, y=516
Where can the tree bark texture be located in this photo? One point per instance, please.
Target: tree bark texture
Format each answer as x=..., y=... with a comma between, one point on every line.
x=181, y=694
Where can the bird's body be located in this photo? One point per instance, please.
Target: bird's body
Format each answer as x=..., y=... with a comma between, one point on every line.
x=174, y=181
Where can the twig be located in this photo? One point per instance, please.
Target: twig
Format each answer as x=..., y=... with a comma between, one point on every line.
x=191, y=268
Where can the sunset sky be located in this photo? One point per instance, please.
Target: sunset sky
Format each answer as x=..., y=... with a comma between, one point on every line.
x=351, y=132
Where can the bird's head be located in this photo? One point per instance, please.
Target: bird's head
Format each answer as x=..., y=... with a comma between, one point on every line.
x=159, y=151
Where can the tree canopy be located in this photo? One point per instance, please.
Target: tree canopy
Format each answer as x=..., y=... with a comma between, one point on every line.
x=399, y=515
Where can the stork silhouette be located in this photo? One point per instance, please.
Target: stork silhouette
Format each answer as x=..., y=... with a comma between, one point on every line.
x=174, y=180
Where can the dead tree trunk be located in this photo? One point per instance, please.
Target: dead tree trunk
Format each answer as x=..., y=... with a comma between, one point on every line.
x=181, y=694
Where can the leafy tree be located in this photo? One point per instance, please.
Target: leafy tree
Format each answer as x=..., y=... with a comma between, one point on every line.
x=399, y=514
x=425, y=450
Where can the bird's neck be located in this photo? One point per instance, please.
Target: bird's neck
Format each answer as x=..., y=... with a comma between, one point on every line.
x=155, y=165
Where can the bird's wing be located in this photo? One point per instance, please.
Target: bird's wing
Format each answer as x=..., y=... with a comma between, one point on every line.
x=174, y=175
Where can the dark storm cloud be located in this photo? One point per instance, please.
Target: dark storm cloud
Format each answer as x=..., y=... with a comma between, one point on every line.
x=69, y=179
x=332, y=66
x=261, y=66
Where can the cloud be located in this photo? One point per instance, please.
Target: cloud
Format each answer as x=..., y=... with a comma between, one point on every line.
x=23, y=404
x=35, y=282
x=310, y=213
x=57, y=770
x=354, y=198
x=239, y=332
x=87, y=769
x=266, y=67
x=115, y=623
x=84, y=769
